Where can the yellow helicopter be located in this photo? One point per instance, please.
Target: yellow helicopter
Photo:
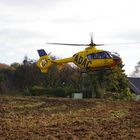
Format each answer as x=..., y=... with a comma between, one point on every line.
x=89, y=59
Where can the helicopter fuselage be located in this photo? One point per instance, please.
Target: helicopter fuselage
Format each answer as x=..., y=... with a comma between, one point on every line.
x=90, y=59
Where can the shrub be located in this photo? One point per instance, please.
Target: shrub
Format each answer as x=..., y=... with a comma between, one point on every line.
x=26, y=92
x=127, y=94
x=70, y=90
x=54, y=92
x=58, y=92
x=34, y=91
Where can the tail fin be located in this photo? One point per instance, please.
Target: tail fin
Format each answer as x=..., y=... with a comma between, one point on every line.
x=41, y=52
x=44, y=63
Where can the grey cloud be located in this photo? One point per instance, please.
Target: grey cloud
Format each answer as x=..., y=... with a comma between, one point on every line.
x=32, y=3
x=72, y=19
x=19, y=34
x=19, y=2
x=14, y=38
x=130, y=35
x=10, y=19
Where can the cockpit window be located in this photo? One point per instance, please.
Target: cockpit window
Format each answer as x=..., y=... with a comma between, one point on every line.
x=98, y=55
x=114, y=54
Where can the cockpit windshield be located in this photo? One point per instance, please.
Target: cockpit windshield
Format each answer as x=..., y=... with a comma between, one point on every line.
x=114, y=54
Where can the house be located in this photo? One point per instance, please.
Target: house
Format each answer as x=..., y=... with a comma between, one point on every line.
x=134, y=83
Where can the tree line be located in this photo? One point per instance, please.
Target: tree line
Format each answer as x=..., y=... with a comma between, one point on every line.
x=26, y=79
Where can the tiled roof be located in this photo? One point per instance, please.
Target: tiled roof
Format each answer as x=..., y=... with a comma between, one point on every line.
x=134, y=84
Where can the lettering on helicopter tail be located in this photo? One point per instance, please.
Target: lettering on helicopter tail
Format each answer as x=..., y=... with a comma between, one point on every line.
x=82, y=61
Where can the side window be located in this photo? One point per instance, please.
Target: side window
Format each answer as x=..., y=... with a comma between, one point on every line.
x=94, y=56
x=89, y=56
x=99, y=55
x=104, y=55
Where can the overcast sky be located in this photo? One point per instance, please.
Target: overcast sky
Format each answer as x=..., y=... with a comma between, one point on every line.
x=26, y=25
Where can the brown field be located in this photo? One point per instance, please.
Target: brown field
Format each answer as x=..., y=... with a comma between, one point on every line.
x=42, y=118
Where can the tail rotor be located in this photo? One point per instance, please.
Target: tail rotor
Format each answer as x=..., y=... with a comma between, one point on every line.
x=44, y=62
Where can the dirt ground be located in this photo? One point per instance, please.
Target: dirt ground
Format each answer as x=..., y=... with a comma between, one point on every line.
x=42, y=118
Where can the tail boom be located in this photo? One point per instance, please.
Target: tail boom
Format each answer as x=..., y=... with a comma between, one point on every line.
x=45, y=62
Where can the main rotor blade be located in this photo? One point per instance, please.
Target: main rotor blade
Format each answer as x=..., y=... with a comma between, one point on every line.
x=93, y=44
x=128, y=43
x=99, y=44
x=68, y=44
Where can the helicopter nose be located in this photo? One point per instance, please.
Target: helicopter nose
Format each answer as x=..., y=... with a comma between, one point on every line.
x=117, y=60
